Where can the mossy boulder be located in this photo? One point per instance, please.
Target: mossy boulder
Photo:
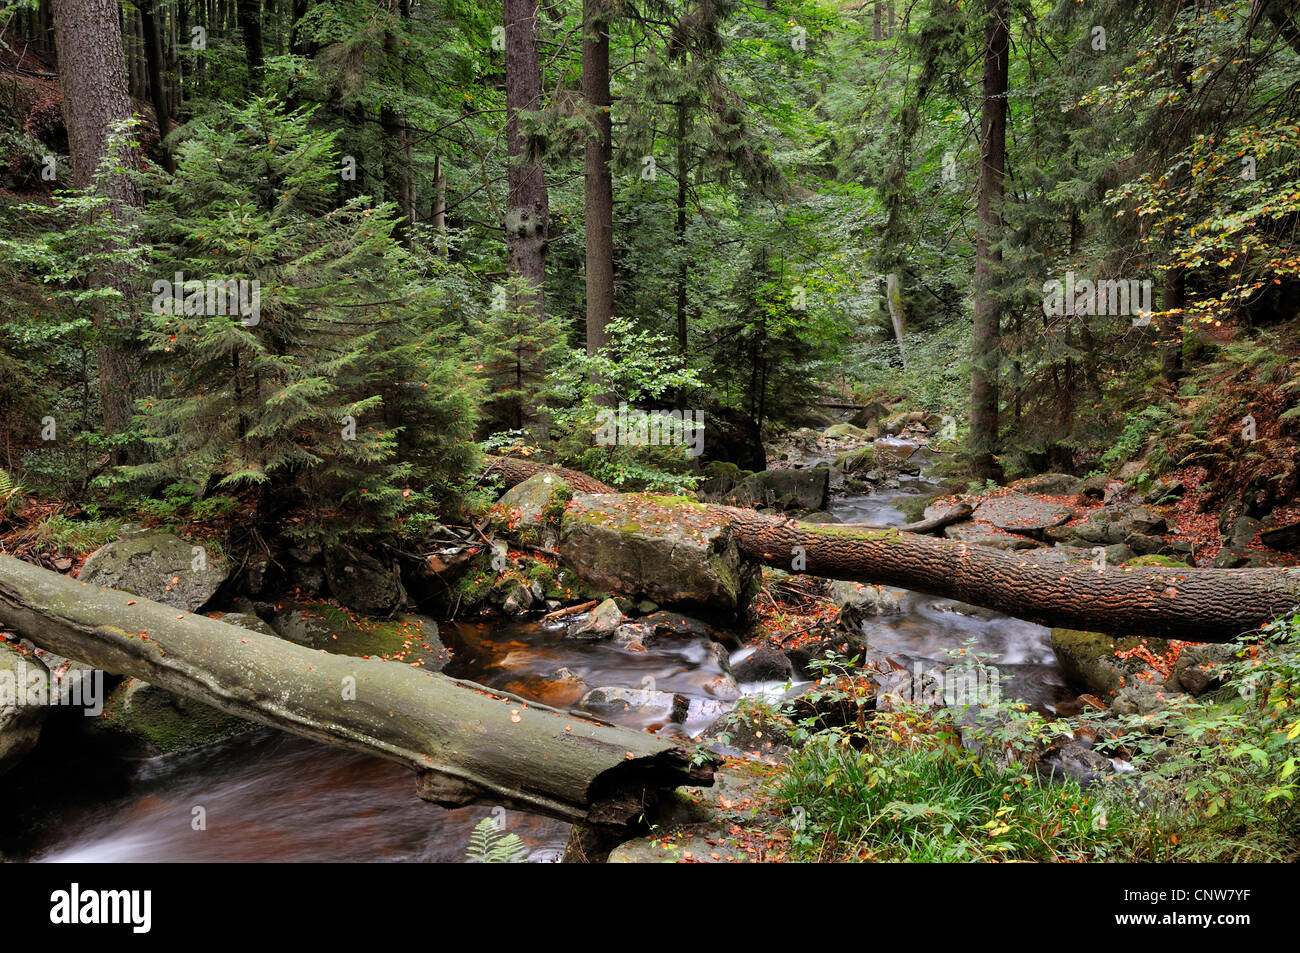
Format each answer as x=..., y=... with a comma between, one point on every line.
x=1155, y=560
x=1090, y=661
x=405, y=637
x=850, y=432
x=863, y=458
x=158, y=722
x=158, y=566
x=20, y=723
x=667, y=549
x=532, y=510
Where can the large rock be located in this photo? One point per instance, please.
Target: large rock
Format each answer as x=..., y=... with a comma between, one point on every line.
x=1115, y=524
x=159, y=722
x=1021, y=514
x=1199, y=668
x=765, y=664
x=1090, y=663
x=795, y=489
x=985, y=534
x=1052, y=484
x=849, y=432
x=406, y=637
x=863, y=458
x=361, y=582
x=599, y=624
x=533, y=510
x=667, y=549
x=1282, y=537
x=615, y=700
x=158, y=566
x=20, y=723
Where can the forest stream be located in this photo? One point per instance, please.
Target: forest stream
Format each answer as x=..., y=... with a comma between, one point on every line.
x=269, y=796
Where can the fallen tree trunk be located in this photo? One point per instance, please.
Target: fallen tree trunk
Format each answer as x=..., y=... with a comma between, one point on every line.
x=1203, y=605
x=468, y=744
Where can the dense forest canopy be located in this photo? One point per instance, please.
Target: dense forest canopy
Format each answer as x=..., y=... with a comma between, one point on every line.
x=528, y=212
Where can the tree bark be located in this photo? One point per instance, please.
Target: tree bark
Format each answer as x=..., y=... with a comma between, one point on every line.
x=599, y=185
x=1200, y=605
x=153, y=56
x=894, y=295
x=988, y=258
x=467, y=743
x=249, y=14
x=399, y=181
x=528, y=212
x=92, y=77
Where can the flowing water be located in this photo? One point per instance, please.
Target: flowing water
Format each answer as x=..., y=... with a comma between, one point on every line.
x=270, y=796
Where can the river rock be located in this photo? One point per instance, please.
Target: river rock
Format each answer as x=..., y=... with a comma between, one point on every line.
x=670, y=550
x=20, y=723
x=1090, y=664
x=984, y=534
x=1077, y=761
x=611, y=701
x=1282, y=537
x=766, y=664
x=1052, y=484
x=849, y=432
x=1021, y=514
x=1094, y=487
x=863, y=458
x=158, y=566
x=793, y=489
x=866, y=601
x=159, y=722
x=600, y=623
x=361, y=582
x=1115, y=524
x=326, y=626
x=665, y=624
x=534, y=510
x=245, y=620
x=1198, y=668
x=1141, y=697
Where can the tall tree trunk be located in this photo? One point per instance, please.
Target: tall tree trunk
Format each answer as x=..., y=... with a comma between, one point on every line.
x=988, y=259
x=897, y=317
x=1171, y=327
x=153, y=56
x=439, y=211
x=528, y=211
x=249, y=14
x=679, y=235
x=527, y=218
x=397, y=139
x=92, y=77
x=599, y=191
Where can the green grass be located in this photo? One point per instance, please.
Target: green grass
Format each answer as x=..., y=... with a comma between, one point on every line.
x=939, y=803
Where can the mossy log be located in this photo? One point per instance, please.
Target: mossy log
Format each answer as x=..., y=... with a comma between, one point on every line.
x=468, y=744
x=1202, y=605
